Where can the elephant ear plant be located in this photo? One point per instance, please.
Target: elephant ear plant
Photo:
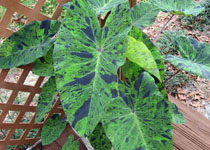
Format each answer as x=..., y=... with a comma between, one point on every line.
x=109, y=76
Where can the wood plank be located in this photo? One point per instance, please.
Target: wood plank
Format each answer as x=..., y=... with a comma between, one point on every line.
x=195, y=133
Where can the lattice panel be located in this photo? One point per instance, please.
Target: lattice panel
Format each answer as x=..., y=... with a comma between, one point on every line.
x=22, y=110
x=15, y=6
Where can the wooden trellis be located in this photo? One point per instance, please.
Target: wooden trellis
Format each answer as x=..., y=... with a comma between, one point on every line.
x=15, y=6
x=21, y=109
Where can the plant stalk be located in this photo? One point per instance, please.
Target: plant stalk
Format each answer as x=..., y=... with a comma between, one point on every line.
x=161, y=30
x=178, y=71
x=33, y=146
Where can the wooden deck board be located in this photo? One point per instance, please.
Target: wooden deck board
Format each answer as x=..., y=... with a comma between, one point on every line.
x=193, y=135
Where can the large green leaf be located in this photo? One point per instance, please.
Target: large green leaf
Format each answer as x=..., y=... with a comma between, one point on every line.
x=99, y=140
x=46, y=100
x=142, y=37
x=104, y=6
x=132, y=70
x=140, y=118
x=179, y=7
x=86, y=60
x=29, y=43
x=144, y=14
x=44, y=66
x=195, y=57
x=139, y=53
x=71, y=144
x=52, y=129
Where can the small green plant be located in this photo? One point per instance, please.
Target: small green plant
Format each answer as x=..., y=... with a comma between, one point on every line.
x=167, y=41
x=111, y=101
x=200, y=22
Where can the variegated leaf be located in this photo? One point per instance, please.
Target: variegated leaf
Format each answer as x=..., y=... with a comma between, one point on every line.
x=195, y=57
x=140, y=118
x=144, y=14
x=141, y=36
x=104, y=6
x=86, y=60
x=52, y=129
x=44, y=66
x=179, y=7
x=46, y=99
x=99, y=140
x=71, y=144
x=29, y=43
x=131, y=71
x=139, y=53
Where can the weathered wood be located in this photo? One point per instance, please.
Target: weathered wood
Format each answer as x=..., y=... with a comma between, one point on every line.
x=195, y=133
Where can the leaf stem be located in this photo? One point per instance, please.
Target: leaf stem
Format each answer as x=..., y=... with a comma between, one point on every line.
x=36, y=144
x=161, y=30
x=172, y=76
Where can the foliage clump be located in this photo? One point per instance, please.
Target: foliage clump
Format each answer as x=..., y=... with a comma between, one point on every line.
x=109, y=93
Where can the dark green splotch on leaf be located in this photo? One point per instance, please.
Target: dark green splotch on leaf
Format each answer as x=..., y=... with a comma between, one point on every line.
x=177, y=116
x=86, y=67
x=179, y=7
x=195, y=57
x=71, y=144
x=104, y=6
x=52, y=129
x=44, y=66
x=99, y=140
x=29, y=43
x=140, y=118
x=46, y=100
x=144, y=14
x=141, y=36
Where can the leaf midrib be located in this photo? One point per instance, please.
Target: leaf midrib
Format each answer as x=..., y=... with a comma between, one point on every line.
x=138, y=127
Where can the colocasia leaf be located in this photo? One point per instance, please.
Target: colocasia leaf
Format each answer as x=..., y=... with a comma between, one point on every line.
x=195, y=57
x=29, y=43
x=140, y=118
x=44, y=65
x=99, y=140
x=52, y=129
x=132, y=70
x=142, y=37
x=144, y=14
x=104, y=6
x=86, y=60
x=139, y=53
x=46, y=100
x=179, y=7
x=71, y=144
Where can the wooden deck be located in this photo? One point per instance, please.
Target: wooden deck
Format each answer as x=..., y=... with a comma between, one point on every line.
x=193, y=135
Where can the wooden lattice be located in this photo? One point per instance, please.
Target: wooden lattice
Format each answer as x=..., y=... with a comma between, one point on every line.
x=21, y=109
x=12, y=7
